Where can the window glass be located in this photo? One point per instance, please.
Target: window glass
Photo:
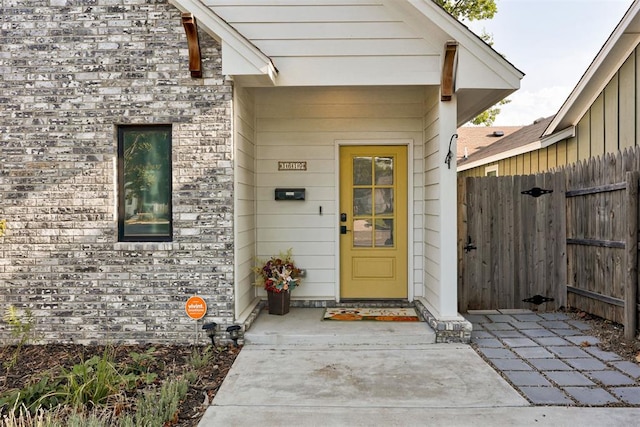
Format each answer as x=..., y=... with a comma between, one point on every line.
x=362, y=233
x=384, y=170
x=362, y=170
x=491, y=170
x=384, y=233
x=362, y=201
x=384, y=201
x=144, y=163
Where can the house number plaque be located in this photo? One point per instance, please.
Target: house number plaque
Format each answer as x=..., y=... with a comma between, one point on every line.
x=292, y=166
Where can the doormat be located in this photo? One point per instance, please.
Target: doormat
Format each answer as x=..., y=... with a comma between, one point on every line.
x=383, y=314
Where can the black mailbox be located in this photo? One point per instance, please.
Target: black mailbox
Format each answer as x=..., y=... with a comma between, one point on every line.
x=290, y=193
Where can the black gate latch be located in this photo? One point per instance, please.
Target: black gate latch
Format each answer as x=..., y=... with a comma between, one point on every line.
x=469, y=246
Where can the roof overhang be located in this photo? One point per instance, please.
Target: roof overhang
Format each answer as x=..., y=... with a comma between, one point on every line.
x=542, y=143
x=612, y=55
x=240, y=58
x=566, y=133
x=536, y=145
x=480, y=76
x=483, y=77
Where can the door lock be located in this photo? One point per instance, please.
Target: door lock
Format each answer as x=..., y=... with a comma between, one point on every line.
x=343, y=217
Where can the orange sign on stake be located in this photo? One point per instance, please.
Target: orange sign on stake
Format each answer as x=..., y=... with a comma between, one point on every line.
x=196, y=308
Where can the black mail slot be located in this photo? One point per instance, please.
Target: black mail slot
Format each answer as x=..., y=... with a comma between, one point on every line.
x=290, y=193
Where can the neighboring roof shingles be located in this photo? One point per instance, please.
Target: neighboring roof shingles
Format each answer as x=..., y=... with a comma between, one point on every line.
x=474, y=138
x=524, y=136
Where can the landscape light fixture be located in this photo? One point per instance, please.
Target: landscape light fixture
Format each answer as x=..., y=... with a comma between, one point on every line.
x=234, y=333
x=211, y=331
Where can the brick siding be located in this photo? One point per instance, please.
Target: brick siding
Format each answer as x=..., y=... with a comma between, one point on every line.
x=71, y=71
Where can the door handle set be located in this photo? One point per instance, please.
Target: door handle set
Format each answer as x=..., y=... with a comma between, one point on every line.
x=343, y=228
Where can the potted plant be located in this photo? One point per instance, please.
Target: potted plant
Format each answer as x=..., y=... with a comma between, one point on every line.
x=279, y=276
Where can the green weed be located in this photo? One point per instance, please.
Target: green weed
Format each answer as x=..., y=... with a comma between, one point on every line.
x=141, y=364
x=155, y=407
x=22, y=328
x=92, y=382
x=200, y=358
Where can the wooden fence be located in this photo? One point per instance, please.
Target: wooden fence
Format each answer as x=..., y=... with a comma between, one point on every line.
x=575, y=245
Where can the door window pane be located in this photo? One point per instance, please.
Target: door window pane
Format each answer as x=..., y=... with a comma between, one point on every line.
x=362, y=233
x=384, y=233
x=144, y=167
x=362, y=170
x=384, y=170
x=362, y=201
x=384, y=201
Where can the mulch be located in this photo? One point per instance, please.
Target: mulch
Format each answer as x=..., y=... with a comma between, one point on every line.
x=168, y=361
x=611, y=336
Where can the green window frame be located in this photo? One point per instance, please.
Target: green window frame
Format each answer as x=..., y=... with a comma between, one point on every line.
x=144, y=184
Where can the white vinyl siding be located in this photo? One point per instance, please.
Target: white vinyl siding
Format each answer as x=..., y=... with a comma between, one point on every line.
x=303, y=124
x=432, y=163
x=245, y=219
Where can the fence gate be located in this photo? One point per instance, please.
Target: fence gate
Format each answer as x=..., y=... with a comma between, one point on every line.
x=512, y=242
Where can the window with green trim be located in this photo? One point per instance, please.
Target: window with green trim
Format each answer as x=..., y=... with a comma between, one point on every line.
x=144, y=184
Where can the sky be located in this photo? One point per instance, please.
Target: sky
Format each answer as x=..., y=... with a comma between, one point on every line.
x=553, y=42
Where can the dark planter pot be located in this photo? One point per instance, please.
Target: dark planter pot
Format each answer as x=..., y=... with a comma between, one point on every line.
x=279, y=302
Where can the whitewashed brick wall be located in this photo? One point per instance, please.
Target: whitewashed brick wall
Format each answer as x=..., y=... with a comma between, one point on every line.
x=71, y=71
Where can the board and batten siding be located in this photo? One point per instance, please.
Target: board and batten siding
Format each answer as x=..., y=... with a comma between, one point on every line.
x=335, y=42
x=609, y=125
x=245, y=219
x=305, y=124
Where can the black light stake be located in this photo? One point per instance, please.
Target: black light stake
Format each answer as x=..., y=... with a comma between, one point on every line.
x=234, y=333
x=211, y=331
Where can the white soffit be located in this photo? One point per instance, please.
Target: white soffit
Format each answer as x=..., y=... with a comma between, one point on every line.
x=311, y=45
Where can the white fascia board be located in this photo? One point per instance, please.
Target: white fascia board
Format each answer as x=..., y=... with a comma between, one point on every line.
x=501, y=156
x=566, y=133
x=251, y=60
x=604, y=66
x=235, y=63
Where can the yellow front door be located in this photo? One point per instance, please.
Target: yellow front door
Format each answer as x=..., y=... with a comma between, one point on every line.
x=373, y=222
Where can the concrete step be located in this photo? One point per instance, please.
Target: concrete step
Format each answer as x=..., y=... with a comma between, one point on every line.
x=304, y=327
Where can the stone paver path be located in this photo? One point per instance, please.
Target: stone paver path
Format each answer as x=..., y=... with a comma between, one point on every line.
x=551, y=360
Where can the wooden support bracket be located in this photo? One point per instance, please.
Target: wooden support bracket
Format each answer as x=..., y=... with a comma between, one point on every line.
x=191, y=28
x=447, y=84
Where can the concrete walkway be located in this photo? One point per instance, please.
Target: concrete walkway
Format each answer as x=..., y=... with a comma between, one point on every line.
x=297, y=370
